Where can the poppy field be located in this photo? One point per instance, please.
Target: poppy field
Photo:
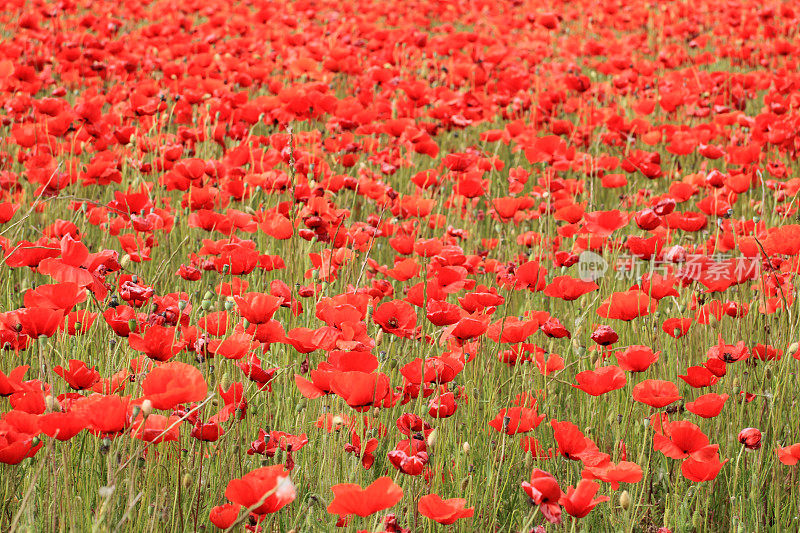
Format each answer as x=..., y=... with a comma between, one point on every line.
x=414, y=266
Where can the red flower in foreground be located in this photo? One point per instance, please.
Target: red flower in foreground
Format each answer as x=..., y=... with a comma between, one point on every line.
x=789, y=455
x=636, y=358
x=627, y=305
x=544, y=491
x=266, y=490
x=223, y=516
x=516, y=420
x=656, y=393
x=350, y=499
x=78, y=375
x=750, y=438
x=579, y=501
x=444, y=511
x=707, y=405
x=604, y=379
x=174, y=383
x=158, y=342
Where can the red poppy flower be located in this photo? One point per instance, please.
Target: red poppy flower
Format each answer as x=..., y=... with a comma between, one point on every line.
x=444, y=511
x=682, y=439
x=656, y=393
x=598, y=382
x=698, y=470
x=544, y=491
x=174, y=383
x=572, y=443
x=78, y=375
x=627, y=305
x=223, y=516
x=351, y=499
x=266, y=490
x=362, y=389
x=604, y=223
x=397, y=317
x=516, y=420
x=789, y=455
x=158, y=342
x=707, y=405
x=568, y=288
x=636, y=358
x=580, y=501
x=257, y=308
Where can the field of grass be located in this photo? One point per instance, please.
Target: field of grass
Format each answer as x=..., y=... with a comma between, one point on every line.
x=399, y=266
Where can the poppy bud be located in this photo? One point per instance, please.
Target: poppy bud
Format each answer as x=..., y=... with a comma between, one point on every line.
x=125, y=261
x=132, y=324
x=379, y=338
x=465, y=447
x=750, y=438
x=147, y=408
x=186, y=481
x=625, y=500
x=431, y=440
x=51, y=404
x=300, y=406
x=697, y=521
x=792, y=349
x=604, y=336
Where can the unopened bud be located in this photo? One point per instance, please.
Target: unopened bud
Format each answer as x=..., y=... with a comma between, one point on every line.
x=697, y=521
x=792, y=349
x=225, y=382
x=147, y=408
x=431, y=440
x=465, y=447
x=625, y=500
x=51, y=404
x=379, y=338
x=186, y=481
